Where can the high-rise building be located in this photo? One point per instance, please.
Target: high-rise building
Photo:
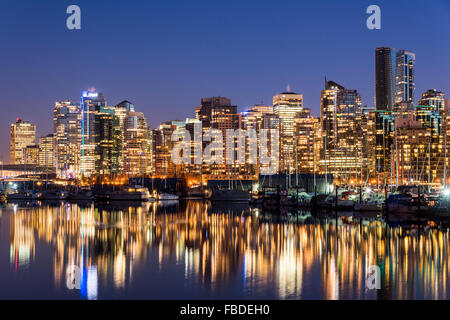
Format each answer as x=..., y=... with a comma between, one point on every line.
x=410, y=156
x=23, y=134
x=306, y=151
x=433, y=98
x=162, y=148
x=91, y=101
x=108, y=143
x=432, y=157
x=121, y=110
x=383, y=122
x=394, y=78
x=46, y=151
x=405, y=77
x=135, y=146
x=67, y=118
x=259, y=118
x=286, y=106
x=341, y=153
x=384, y=78
x=253, y=118
x=195, y=167
x=31, y=154
x=101, y=136
x=218, y=113
x=394, y=91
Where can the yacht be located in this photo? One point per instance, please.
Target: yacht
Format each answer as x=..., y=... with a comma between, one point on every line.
x=54, y=195
x=368, y=206
x=24, y=195
x=373, y=203
x=402, y=203
x=81, y=194
x=136, y=193
x=167, y=197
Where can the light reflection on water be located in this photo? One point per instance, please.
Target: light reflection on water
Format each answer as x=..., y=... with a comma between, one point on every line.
x=194, y=251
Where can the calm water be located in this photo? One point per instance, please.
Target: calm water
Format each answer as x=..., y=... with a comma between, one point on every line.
x=193, y=250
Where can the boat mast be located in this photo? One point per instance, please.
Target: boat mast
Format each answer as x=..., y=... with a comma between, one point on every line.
x=396, y=153
x=314, y=164
x=296, y=163
x=445, y=151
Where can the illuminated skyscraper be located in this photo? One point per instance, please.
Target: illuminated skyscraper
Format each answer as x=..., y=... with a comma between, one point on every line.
x=384, y=78
x=433, y=156
x=405, y=77
x=394, y=78
x=108, y=141
x=433, y=98
x=306, y=152
x=218, y=113
x=67, y=119
x=121, y=110
x=286, y=106
x=259, y=118
x=23, y=134
x=254, y=117
x=162, y=148
x=46, y=151
x=101, y=136
x=136, y=140
x=384, y=129
x=32, y=155
x=91, y=103
x=341, y=152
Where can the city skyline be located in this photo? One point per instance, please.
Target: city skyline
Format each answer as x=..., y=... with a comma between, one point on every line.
x=236, y=154
x=177, y=81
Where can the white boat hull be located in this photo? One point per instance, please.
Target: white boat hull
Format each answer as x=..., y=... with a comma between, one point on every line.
x=128, y=197
x=167, y=197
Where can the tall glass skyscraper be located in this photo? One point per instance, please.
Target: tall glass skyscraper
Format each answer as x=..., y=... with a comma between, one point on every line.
x=384, y=78
x=91, y=101
x=23, y=135
x=67, y=134
x=286, y=106
x=404, y=77
x=340, y=113
x=394, y=78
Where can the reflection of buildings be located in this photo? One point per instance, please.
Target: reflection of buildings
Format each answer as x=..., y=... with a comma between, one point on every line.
x=22, y=243
x=282, y=260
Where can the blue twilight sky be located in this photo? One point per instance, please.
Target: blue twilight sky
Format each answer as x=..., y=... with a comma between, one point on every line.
x=165, y=55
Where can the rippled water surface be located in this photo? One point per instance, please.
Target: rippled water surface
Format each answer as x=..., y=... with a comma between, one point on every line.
x=195, y=250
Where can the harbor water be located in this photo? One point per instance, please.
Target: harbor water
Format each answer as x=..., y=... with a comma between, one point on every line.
x=203, y=250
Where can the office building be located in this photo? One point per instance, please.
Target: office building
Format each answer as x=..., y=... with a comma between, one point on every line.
x=23, y=134
x=46, y=151
x=286, y=106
